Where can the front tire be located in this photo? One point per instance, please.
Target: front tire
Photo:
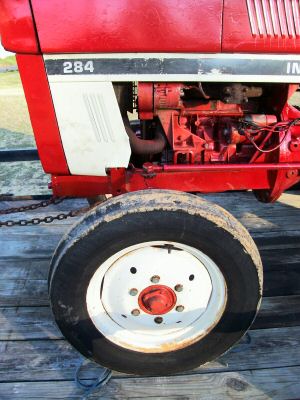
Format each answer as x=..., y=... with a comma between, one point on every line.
x=155, y=282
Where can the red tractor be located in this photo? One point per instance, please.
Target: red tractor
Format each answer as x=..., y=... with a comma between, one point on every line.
x=157, y=280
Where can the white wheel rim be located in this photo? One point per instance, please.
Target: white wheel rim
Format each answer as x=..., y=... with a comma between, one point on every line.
x=111, y=302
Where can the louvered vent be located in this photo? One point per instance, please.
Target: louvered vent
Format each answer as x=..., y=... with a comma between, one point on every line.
x=96, y=108
x=274, y=18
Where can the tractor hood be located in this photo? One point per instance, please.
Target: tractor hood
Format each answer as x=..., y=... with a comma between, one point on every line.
x=129, y=25
x=156, y=26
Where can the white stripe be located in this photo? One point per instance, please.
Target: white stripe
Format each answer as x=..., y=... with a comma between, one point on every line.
x=176, y=78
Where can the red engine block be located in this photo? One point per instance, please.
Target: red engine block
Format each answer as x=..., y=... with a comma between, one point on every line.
x=201, y=133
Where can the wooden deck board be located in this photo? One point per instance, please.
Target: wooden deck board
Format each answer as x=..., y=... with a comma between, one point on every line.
x=264, y=384
x=36, y=362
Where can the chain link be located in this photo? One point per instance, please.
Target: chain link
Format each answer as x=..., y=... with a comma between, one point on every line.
x=36, y=221
x=34, y=206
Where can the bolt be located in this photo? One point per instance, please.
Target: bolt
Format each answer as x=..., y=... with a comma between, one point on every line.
x=291, y=173
x=155, y=279
x=135, y=312
x=158, y=320
x=179, y=288
x=133, y=292
x=179, y=308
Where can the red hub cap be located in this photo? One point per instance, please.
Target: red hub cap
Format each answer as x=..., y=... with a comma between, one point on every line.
x=157, y=299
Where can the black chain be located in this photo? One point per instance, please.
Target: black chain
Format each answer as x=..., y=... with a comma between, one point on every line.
x=34, y=206
x=36, y=221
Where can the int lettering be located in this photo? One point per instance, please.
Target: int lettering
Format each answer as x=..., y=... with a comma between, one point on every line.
x=293, y=68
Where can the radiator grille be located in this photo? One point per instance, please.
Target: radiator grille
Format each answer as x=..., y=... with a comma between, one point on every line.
x=274, y=18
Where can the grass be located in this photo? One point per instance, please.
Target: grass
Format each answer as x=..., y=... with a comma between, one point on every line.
x=10, y=80
x=14, y=115
x=8, y=61
x=13, y=108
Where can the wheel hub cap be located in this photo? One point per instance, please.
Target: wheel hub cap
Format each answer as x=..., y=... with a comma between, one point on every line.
x=156, y=296
x=157, y=299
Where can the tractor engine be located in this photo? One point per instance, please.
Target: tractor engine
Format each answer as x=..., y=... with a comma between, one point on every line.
x=189, y=125
x=208, y=124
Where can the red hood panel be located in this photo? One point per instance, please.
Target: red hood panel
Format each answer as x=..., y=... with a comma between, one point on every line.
x=128, y=25
x=249, y=26
x=16, y=26
x=261, y=26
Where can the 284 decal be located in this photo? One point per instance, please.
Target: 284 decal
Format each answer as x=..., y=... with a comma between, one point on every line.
x=197, y=68
x=69, y=67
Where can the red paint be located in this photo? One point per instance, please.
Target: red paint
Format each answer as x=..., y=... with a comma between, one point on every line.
x=222, y=167
x=16, y=27
x=281, y=179
x=42, y=114
x=128, y=26
x=205, y=182
x=157, y=299
x=200, y=178
x=145, y=99
x=237, y=35
x=154, y=99
x=80, y=186
x=200, y=130
x=149, y=26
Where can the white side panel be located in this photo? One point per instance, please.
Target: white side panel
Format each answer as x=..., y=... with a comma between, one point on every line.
x=91, y=126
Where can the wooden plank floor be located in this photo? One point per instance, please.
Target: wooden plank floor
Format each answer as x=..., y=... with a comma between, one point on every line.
x=36, y=362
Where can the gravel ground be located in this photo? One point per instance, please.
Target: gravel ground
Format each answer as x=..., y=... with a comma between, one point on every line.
x=21, y=178
x=15, y=140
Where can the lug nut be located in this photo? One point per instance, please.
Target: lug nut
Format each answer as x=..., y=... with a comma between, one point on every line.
x=158, y=320
x=155, y=279
x=179, y=288
x=133, y=292
x=135, y=312
x=179, y=308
